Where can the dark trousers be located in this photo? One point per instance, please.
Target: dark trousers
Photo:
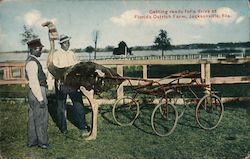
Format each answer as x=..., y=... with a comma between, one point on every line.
x=78, y=109
x=38, y=120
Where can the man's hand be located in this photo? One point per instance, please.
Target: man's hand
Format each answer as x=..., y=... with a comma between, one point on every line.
x=42, y=104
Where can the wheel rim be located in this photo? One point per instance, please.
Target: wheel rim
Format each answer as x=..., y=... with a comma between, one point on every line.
x=209, y=112
x=164, y=119
x=125, y=111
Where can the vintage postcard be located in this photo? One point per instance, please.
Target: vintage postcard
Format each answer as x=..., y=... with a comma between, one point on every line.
x=124, y=79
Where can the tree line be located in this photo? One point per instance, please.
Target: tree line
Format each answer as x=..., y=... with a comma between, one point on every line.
x=162, y=42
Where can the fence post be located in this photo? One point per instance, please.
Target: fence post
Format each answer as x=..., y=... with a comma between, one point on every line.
x=120, y=92
x=206, y=74
x=145, y=72
x=7, y=73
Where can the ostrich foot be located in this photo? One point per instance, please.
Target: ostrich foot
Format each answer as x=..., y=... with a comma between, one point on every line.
x=91, y=137
x=87, y=134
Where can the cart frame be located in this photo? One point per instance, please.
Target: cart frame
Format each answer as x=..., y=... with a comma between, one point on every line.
x=209, y=108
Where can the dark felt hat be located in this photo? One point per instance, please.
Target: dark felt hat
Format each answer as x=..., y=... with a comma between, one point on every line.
x=35, y=43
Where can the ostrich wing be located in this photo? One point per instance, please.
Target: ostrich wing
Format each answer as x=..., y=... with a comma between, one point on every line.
x=57, y=72
x=85, y=74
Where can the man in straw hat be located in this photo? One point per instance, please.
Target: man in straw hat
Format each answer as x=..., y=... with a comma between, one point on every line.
x=62, y=58
x=38, y=110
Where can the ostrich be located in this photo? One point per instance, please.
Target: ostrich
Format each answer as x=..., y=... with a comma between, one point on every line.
x=88, y=77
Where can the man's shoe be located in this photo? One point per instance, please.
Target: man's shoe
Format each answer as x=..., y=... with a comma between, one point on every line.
x=65, y=132
x=87, y=128
x=84, y=132
x=45, y=146
x=31, y=145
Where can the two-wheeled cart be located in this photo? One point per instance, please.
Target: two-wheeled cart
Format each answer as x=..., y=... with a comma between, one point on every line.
x=168, y=96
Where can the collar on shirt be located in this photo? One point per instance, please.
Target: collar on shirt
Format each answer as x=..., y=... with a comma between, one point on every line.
x=34, y=56
x=61, y=50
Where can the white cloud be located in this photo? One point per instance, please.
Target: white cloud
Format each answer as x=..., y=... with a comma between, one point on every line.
x=226, y=15
x=126, y=18
x=32, y=17
x=240, y=19
x=135, y=17
x=35, y=18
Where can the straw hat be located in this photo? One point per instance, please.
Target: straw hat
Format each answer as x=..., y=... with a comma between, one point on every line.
x=64, y=38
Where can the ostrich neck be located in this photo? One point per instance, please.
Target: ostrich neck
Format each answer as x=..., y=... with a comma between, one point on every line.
x=58, y=73
x=50, y=55
x=52, y=45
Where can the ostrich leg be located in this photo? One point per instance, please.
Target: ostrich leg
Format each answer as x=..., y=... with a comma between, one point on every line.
x=94, y=105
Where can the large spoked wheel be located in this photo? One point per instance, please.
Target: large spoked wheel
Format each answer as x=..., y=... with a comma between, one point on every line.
x=209, y=112
x=164, y=119
x=125, y=111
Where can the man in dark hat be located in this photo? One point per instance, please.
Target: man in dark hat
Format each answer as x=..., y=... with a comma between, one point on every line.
x=38, y=110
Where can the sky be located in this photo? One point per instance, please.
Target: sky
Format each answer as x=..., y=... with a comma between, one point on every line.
x=137, y=22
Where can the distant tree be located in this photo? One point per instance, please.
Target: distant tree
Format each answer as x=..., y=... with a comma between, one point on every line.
x=162, y=41
x=27, y=35
x=109, y=48
x=77, y=50
x=89, y=49
x=96, y=36
x=45, y=50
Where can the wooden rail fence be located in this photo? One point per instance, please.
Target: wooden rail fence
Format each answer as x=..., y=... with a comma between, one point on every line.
x=14, y=73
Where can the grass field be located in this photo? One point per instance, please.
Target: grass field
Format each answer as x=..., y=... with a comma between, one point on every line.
x=230, y=140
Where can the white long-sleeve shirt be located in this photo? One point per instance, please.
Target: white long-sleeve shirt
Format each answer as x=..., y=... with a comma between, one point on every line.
x=32, y=73
x=63, y=58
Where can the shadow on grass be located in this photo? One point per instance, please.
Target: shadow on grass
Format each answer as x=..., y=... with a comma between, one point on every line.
x=52, y=107
x=237, y=104
x=142, y=122
x=105, y=113
x=188, y=118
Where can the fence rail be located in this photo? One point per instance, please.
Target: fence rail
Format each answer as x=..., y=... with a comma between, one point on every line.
x=13, y=72
x=170, y=57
